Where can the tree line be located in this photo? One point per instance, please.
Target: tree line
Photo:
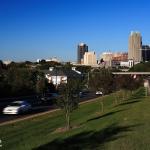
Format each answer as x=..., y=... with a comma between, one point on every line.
x=103, y=80
x=17, y=80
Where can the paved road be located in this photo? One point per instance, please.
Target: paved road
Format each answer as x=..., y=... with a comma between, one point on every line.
x=35, y=110
x=38, y=109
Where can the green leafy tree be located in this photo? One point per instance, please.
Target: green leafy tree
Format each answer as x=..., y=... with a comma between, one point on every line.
x=16, y=81
x=141, y=67
x=3, y=66
x=83, y=69
x=4, y=86
x=69, y=98
x=41, y=86
x=127, y=83
x=21, y=81
x=101, y=80
x=43, y=65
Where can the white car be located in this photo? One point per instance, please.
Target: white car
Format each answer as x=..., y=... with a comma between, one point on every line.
x=99, y=93
x=17, y=107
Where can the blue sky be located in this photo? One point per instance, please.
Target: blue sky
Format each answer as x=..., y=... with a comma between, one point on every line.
x=32, y=29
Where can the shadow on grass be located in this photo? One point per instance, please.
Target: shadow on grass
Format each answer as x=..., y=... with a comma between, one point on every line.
x=135, y=97
x=129, y=102
x=105, y=115
x=138, y=94
x=89, y=140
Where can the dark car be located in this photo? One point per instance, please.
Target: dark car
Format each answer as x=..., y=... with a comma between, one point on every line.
x=49, y=97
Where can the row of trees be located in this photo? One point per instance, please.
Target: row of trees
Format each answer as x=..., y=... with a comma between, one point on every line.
x=24, y=78
x=141, y=67
x=16, y=80
x=105, y=81
x=100, y=79
x=21, y=81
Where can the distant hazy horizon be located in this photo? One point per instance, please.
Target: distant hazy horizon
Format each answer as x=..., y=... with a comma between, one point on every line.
x=42, y=29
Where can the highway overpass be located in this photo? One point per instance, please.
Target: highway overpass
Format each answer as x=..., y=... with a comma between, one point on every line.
x=131, y=73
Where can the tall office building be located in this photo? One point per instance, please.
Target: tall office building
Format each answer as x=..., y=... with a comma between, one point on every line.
x=90, y=59
x=82, y=48
x=145, y=53
x=135, y=45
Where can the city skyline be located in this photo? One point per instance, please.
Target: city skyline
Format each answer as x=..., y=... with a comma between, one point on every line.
x=42, y=29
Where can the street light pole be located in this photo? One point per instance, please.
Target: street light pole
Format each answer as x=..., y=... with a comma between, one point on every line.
x=56, y=77
x=88, y=80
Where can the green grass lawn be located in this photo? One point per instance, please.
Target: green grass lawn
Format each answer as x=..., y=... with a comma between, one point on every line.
x=125, y=126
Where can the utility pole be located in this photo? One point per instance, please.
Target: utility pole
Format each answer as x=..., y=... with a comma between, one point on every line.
x=88, y=79
x=56, y=78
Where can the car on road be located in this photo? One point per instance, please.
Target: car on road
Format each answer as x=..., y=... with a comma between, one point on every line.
x=100, y=93
x=17, y=107
x=49, y=98
x=78, y=95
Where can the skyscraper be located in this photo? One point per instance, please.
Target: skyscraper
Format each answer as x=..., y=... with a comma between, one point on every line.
x=90, y=58
x=135, y=45
x=145, y=53
x=82, y=48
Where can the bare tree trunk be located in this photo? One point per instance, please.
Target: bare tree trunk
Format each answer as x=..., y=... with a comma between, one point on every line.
x=132, y=92
x=116, y=99
x=102, y=106
x=146, y=91
x=67, y=119
x=126, y=95
x=123, y=95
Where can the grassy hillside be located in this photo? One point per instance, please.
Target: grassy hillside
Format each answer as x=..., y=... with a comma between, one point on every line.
x=124, y=126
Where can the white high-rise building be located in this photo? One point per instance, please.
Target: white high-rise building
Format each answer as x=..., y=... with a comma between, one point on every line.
x=90, y=59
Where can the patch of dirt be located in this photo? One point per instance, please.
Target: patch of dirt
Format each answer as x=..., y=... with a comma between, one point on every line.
x=99, y=113
x=64, y=129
